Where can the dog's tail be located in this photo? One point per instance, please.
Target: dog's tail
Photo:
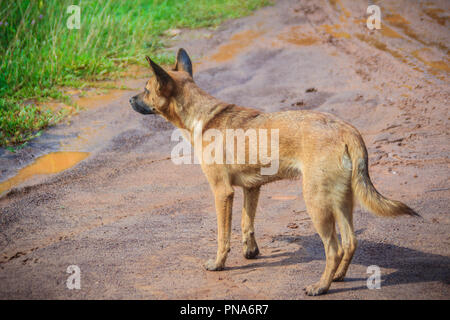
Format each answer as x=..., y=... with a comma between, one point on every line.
x=362, y=186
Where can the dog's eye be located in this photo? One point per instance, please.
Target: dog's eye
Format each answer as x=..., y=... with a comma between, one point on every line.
x=146, y=91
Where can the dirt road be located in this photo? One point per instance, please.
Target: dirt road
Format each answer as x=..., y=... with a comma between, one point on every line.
x=139, y=226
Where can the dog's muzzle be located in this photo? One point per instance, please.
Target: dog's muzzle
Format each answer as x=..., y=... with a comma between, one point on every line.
x=139, y=106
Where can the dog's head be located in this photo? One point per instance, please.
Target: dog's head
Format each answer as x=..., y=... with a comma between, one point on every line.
x=163, y=86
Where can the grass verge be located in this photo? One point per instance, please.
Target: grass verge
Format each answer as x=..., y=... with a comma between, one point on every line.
x=39, y=54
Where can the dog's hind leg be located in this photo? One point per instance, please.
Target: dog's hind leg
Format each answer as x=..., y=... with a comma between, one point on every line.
x=250, y=248
x=223, y=194
x=344, y=218
x=320, y=209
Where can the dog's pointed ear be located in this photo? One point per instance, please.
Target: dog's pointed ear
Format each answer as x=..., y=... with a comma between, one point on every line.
x=183, y=62
x=161, y=75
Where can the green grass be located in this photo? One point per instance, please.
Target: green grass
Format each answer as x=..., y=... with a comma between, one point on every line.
x=39, y=55
x=20, y=123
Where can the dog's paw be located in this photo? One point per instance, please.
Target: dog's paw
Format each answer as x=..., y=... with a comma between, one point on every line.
x=210, y=265
x=315, y=290
x=339, y=278
x=251, y=254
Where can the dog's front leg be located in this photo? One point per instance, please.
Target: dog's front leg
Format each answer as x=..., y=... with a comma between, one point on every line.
x=223, y=195
x=250, y=247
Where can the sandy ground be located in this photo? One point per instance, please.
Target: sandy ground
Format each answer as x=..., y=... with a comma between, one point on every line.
x=139, y=226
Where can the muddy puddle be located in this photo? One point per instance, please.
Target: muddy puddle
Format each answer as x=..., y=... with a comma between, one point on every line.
x=51, y=163
x=68, y=143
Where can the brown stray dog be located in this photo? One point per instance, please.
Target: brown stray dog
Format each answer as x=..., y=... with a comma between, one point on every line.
x=328, y=152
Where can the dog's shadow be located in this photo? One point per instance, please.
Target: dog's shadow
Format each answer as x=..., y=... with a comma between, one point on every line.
x=411, y=266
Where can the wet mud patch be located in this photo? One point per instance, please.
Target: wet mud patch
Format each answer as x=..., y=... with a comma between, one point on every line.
x=310, y=101
x=256, y=59
x=15, y=214
x=156, y=123
x=216, y=79
x=128, y=140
